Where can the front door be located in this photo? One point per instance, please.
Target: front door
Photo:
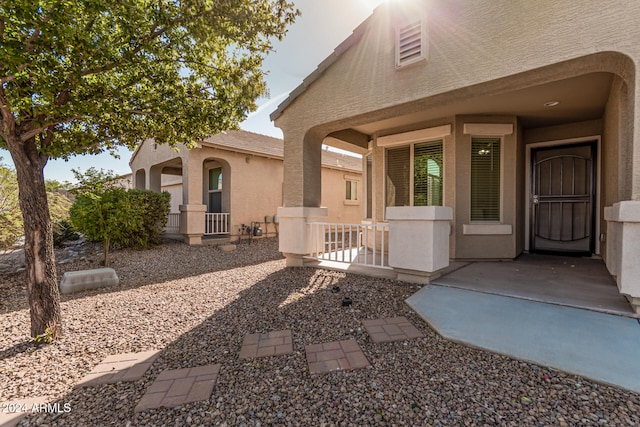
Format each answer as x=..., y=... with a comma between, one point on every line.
x=562, y=199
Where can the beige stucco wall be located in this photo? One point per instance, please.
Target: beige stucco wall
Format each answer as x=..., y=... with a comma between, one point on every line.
x=252, y=184
x=334, y=194
x=494, y=45
x=486, y=246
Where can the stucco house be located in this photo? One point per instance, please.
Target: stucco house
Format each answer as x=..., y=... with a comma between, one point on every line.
x=488, y=128
x=233, y=179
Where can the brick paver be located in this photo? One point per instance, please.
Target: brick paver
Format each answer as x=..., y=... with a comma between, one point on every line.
x=119, y=367
x=392, y=329
x=335, y=356
x=272, y=343
x=180, y=386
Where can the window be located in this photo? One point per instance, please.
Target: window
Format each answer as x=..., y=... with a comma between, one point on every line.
x=369, y=183
x=411, y=45
x=415, y=175
x=352, y=190
x=485, y=179
x=215, y=190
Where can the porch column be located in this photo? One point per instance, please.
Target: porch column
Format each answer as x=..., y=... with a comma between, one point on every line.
x=623, y=248
x=295, y=240
x=419, y=241
x=154, y=179
x=301, y=194
x=192, y=211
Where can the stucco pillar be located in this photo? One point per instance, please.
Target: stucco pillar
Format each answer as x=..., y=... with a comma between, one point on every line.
x=302, y=170
x=295, y=240
x=192, y=211
x=154, y=179
x=623, y=248
x=419, y=241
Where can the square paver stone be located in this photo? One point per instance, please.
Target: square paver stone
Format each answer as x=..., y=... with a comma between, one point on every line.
x=335, y=356
x=180, y=386
x=392, y=329
x=119, y=367
x=272, y=343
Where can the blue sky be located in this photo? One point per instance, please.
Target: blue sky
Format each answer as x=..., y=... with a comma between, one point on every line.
x=322, y=26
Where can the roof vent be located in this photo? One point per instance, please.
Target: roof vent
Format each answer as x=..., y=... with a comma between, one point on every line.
x=411, y=44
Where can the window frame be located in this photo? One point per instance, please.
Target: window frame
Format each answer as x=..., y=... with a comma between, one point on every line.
x=500, y=140
x=350, y=183
x=411, y=146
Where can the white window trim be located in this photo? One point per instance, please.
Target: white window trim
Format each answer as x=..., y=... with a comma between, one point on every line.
x=416, y=136
x=356, y=201
x=411, y=167
x=488, y=224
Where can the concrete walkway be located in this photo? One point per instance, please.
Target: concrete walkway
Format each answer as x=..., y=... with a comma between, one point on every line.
x=599, y=346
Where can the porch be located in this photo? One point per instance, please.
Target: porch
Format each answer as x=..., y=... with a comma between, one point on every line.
x=215, y=224
x=579, y=282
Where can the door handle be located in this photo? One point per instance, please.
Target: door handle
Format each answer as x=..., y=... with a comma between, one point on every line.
x=534, y=199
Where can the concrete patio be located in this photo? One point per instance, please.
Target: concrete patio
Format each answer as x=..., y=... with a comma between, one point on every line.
x=571, y=281
x=560, y=312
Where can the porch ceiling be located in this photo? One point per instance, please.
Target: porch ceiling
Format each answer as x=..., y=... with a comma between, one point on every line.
x=580, y=98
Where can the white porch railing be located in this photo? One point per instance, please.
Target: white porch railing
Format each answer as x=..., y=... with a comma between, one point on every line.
x=364, y=244
x=216, y=223
x=173, y=223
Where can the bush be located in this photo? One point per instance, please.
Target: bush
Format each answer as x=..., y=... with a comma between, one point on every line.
x=152, y=209
x=63, y=231
x=11, y=227
x=116, y=217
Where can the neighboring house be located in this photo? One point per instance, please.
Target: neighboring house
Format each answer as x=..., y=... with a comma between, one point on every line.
x=236, y=178
x=489, y=128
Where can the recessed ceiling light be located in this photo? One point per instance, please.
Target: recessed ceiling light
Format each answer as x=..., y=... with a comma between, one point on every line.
x=551, y=103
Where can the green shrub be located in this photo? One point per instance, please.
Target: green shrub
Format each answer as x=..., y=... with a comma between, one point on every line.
x=63, y=231
x=11, y=227
x=116, y=217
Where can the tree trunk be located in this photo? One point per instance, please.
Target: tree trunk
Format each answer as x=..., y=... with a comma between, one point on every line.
x=42, y=282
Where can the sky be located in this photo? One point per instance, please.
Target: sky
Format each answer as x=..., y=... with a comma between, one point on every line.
x=323, y=25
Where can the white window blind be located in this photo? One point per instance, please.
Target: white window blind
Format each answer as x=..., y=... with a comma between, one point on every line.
x=485, y=179
x=352, y=190
x=427, y=174
x=415, y=175
x=398, y=176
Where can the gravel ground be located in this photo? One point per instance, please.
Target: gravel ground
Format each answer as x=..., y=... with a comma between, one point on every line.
x=196, y=304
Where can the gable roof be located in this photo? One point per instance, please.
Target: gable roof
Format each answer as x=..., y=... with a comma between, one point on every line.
x=355, y=36
x=255, y=143
x=250, y=142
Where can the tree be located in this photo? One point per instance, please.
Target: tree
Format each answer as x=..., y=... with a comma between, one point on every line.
x=85, y=76
x=10, y=219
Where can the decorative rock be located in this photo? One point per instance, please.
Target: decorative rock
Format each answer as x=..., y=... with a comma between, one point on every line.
x=228, y=248
x=74, y=281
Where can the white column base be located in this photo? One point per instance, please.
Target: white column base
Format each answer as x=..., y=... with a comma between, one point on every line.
x=419, y=239
x=294, y=240
x=623, y=248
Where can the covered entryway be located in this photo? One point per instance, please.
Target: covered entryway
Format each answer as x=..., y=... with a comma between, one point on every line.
x=578, y=282
x=562, y=199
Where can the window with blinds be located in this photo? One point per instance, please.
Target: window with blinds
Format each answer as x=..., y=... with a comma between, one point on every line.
x=485, y=179
x=398, y=178
x=415, y=175
x=427, y=174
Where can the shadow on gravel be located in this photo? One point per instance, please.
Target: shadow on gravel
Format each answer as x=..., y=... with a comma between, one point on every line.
x=426, y=381
x=141, y=272
x=272, y=390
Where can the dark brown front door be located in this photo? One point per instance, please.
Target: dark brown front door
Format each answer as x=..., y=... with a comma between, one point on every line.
x=562, y=199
